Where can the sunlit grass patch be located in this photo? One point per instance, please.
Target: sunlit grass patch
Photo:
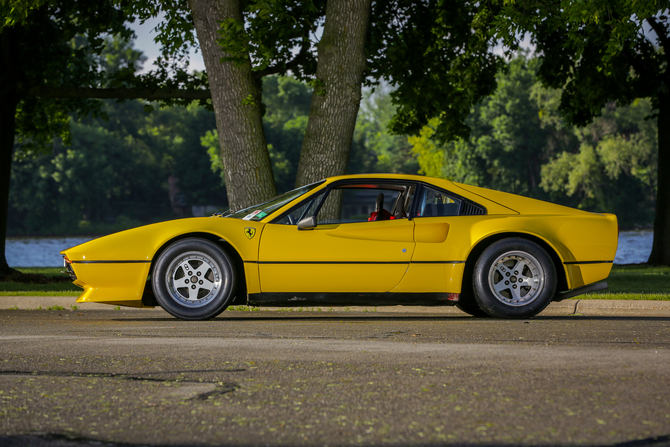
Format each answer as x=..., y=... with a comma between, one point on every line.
x=59, y=286
x=18, y=289
x=638, y=280
x=625, y=296
x=243, y=308
x=49, y=271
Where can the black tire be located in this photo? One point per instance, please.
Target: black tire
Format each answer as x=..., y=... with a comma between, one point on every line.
x=466, y=300
x=514, y=278
x=194, y=279
x=470, y=307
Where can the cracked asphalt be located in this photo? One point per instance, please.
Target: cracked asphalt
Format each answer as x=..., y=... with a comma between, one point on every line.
x=140, y=377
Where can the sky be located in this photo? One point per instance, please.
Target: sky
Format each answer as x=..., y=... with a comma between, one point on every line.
x=145, y=43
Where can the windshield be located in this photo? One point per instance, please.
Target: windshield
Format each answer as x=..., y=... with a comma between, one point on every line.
x=258, y=212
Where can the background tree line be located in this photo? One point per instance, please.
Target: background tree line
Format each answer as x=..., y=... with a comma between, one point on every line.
x=521, y=144
x=137, y=166
x=439, y=57
x=336, y=46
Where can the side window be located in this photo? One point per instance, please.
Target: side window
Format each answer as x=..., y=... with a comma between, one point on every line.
x=350, y=204
x=306, y=209
x=434, y=203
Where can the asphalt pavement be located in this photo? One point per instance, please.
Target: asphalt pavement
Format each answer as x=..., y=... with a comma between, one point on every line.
x=133, y=377
x=588, y=307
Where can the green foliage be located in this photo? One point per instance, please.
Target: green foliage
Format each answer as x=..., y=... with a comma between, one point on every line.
x=430, y=155
x=437, y=56
x=597, y=52
x=614, y=166
x=48, y=49
x=287, y=104
x=508, y=143
x=176, y=37
x=115, y=174
x=375, y=149
x=270, y=33
x=520, y=144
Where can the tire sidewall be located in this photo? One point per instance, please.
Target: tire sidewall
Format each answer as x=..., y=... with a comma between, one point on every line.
x=222, y=299
x=485, y=297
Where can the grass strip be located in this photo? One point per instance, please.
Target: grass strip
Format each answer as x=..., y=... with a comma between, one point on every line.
x=625, y=296
x=72, y=293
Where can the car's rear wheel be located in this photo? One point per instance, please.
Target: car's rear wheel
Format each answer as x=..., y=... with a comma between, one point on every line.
x=514, y=278
x=194, y=279
x=470, y=307
x=466, y=300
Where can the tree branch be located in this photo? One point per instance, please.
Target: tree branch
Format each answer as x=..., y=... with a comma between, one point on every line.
x=637, y=65
x=661, y=31
x=118, y=93
x=297, y=60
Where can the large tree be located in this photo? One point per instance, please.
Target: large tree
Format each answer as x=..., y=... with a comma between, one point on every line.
x=601, y=52
x=38, y=50
x=435, y=53
x=243, y=41
x=50, y=70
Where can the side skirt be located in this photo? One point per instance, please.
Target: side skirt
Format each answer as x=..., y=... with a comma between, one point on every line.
x=352, y=299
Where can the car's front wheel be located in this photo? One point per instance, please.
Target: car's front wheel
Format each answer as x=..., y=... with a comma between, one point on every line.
x=194, y=279
x=514, y=278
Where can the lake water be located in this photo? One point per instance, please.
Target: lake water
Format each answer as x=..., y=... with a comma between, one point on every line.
x=634, y=248
x=39, y=251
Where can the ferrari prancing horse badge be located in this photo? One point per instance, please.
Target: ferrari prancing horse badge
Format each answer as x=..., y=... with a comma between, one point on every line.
x=249, y=232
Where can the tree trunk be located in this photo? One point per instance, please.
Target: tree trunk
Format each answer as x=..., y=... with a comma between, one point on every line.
x=660, y=251
x=7, y=123
x=8, y=102
x=337, y=91
x=236, y=97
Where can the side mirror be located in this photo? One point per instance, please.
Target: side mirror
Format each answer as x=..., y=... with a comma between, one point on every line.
x=307, y=223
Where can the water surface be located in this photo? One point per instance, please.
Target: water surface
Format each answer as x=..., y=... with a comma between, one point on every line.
x=39, y=251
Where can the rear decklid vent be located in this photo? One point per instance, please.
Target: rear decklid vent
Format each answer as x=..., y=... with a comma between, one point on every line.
x=472, y=209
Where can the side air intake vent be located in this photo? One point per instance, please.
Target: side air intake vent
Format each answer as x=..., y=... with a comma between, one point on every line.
x=471, y=209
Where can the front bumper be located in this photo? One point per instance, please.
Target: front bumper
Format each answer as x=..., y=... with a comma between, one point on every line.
x=68, y=267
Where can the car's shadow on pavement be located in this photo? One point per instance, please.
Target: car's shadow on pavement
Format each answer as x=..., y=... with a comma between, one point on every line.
x=391, y=317
x=70, y=440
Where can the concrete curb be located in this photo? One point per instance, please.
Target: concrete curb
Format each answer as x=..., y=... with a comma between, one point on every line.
x=626, y=308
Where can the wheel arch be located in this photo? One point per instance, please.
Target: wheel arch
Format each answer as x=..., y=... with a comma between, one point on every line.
x=481, y=245
x=148, y=298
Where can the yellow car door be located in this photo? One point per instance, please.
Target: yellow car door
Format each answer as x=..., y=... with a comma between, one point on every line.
x=344, y=252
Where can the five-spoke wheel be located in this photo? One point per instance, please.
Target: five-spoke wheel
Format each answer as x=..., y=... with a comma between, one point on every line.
x=194, y=279
x=514, y=278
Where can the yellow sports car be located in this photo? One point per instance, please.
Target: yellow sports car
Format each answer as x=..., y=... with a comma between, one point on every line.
x=357, y=240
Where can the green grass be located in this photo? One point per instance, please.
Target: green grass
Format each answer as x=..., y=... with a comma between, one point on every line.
x=635, y=282
x=5, y=292
x=639, y=279
x=48, y=271
x=630, y=282
x=53, y=289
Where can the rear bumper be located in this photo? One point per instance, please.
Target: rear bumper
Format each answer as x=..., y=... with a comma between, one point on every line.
x=581, y=274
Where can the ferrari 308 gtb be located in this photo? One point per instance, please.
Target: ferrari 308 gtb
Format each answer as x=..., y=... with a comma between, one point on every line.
x=371, y=240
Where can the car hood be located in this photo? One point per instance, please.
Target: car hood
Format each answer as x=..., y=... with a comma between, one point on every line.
x=140, y=244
